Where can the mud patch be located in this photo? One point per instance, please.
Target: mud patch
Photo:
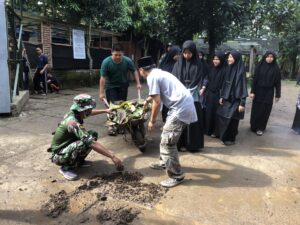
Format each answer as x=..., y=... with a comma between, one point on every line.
x=106, y=192
x=57, y=204
x=125, y=186
x=118, y=216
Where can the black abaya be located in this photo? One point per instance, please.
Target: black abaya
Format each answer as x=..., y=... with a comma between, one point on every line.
x=192, y=137
x=233, y=93
x=212, y=95
x=296, y=122
x=167, y=65
x=266, y=79
x=190, y=73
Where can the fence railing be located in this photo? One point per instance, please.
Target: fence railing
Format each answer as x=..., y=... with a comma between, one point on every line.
x=15, y=46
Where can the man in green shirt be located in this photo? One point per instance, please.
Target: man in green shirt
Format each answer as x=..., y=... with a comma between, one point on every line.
x=72, y=143
x=113, y=77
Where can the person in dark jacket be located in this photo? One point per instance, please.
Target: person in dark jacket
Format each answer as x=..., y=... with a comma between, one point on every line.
x=167, y=65
x=215, y=81
x=26, y=70
x=232, y=98
x=189, y=70
x=39, y=78
x=266, y=79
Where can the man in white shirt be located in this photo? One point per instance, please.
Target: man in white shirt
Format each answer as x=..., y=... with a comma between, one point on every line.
x=167, y=89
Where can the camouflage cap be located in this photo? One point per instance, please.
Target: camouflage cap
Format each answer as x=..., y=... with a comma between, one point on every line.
x=83, y=102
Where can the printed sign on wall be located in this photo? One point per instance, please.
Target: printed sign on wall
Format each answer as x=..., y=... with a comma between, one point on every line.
x=78, y=44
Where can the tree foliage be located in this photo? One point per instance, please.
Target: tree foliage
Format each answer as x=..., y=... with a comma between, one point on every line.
x=109, y=14
x=285, y=20
x=143, y=17
x=212, y=18
x=149, y=19
x=178, y=20
x=278, y=19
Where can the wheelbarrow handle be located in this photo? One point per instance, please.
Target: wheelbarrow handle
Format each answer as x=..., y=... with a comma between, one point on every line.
x=105, y=102
x=139, y=94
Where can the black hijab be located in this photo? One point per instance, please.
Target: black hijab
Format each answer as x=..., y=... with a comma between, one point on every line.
x=204, y=63
x=189, y=72
x=267, y=74
x=235, y=85
x=168, y=62
x=217, y=73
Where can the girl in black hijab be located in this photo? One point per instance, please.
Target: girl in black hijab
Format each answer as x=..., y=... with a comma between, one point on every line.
x=215, y=80
x=206, y=72
x=189, y=70
x=167, y=64
x=266, y=78
x=296, y=122
x=233, y=98
x=170, y=59
x=204, y=63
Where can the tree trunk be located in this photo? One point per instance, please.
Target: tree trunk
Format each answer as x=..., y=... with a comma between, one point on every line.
x=251, y=61
x=146, y=46
x=211, y=31
x=211, y=43
x=88, y=50
x=294, y=65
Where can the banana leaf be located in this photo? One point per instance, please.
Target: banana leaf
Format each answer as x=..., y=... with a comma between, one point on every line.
x=124, y=112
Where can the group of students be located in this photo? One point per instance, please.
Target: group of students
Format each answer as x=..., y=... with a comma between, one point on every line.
x=198, y=99
x=72, y=143
x=220, y=90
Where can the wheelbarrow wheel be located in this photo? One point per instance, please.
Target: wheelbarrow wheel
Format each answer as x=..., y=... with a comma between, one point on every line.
x=139, y=140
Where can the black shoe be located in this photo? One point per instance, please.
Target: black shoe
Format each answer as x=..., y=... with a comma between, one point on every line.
x=227, y=143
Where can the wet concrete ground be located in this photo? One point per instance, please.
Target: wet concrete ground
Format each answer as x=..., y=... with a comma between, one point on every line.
x=256, y=181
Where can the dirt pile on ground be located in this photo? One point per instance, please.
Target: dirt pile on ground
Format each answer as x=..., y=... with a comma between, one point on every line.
x=117, y=215
x=57, y=204
x=125, y=186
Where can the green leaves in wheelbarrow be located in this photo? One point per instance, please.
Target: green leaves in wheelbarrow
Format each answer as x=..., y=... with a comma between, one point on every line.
x=126, y=111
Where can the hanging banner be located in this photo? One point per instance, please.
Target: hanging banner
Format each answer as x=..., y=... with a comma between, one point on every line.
x=78, y=44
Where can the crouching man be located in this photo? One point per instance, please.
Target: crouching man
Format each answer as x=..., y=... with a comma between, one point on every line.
x=166, y=88
x=72, y=143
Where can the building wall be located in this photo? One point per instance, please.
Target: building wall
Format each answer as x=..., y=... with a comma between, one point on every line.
x=60, y=55
x=46, y=41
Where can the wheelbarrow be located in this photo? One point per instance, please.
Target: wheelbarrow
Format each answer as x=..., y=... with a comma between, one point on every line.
x=130, y=117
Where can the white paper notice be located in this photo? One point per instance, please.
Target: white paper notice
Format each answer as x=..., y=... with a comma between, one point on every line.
x=78, y=44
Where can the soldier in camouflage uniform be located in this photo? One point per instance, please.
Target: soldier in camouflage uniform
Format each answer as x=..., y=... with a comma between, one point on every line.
x=72, y=142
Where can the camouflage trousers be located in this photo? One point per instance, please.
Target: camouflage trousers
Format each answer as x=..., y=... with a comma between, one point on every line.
x=71, y=156
x=168, y=146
